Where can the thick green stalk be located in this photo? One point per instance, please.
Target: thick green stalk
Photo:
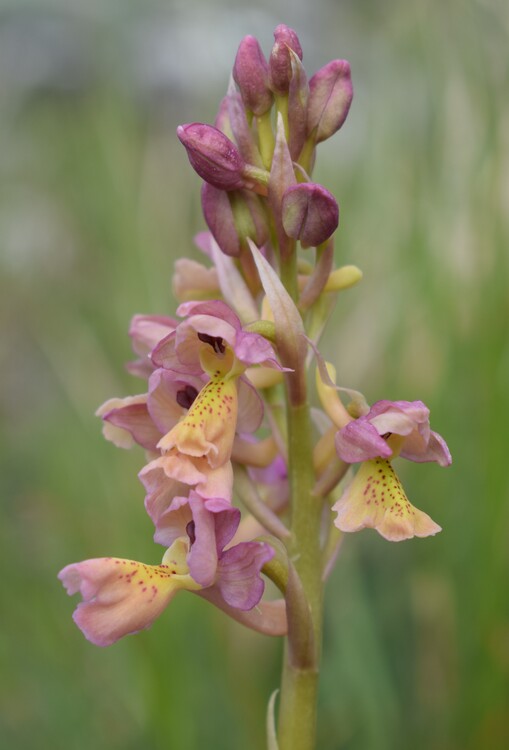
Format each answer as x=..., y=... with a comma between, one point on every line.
x=298, y=696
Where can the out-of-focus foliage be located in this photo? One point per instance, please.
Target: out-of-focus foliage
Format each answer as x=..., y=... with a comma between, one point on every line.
x=96, y=202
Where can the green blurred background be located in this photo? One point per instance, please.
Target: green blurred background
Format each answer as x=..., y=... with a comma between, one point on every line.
x=96, y=202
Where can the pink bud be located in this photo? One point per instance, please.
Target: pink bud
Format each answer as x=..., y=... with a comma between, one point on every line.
x=251, y=74
x=234, y=216
x=212, y=155
x=310, y=213
x=218, y=214
x=279, y=62
x=330, y=96
x=298, y=95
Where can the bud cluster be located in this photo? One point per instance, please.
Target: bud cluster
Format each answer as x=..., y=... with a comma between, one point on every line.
x=257, y=159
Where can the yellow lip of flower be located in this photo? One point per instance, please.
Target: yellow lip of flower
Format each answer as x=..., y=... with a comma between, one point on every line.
x=208, y=428
x=174, y=562
x=376, y=499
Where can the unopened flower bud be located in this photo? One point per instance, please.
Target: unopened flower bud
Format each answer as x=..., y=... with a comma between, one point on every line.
x=218, y=214
x=310, y=213
x=298, y=95
x=233, y=217
x=192, y=280
x=343, y=278
x=285, y=39
x=250, y=217
x=212, y=155
x=251, y=74
x=330, y=96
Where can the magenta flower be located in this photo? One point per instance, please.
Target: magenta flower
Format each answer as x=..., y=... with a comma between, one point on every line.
x=121, y=597
x=367, y=437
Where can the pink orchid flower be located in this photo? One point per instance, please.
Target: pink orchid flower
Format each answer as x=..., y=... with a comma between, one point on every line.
x=121, y=597
x=375, y=498
x=216, y=324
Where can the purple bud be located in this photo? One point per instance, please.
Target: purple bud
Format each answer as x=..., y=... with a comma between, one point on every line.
x=310, y=213
x=251, y=74
x=330, y=96
x=298, y=95
x=242, y=133
x=234, y=216
x=212, y=155
x=218, y=214
x=285, y=39
x=250, y=217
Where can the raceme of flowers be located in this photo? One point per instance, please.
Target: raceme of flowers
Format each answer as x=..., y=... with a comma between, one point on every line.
x=211, y=413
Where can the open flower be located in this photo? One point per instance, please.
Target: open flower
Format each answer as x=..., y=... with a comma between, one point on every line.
x=214, y=323
x=208, y=428
x=375, y=497
x=144, y=419
x=121, y=597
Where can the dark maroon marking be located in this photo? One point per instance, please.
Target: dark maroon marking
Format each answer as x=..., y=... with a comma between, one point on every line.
x=186, y=396
x=216, y=342
x=190, y=531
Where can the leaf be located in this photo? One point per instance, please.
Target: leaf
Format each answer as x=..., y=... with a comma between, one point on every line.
x=272, y=743
x=289, y=327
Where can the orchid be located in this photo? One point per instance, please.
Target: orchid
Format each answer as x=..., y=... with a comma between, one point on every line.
x=370, y=435
x=121, y=597
x=243, y=477
x=217, y=326
x=375, y=497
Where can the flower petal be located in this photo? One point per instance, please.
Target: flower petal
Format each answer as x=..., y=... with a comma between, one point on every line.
x=126, y=421
x=360, y=441
x=170, y=396
x=375, y=499
x=145, y=332
x=435, y=450
x=208, y=429
x=165, y=481
x=213, y=308
x=215, y=523
x=268, y=618
x=239, y=578
x=120, y=597
x=250, y=407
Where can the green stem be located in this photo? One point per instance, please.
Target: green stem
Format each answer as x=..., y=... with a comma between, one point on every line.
x=266, y=138
x=299, y=683
x=297, y=712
